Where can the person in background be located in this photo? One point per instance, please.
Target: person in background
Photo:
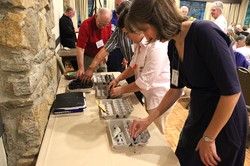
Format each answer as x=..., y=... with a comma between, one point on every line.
x=230, y=33
x=67, y=30
x=115, y=58
x=241, y=30
x=201, y=58
x=115, y=15
x=184, y=10
x=93, y=35
x=239, y=42
x=150, y=66
x=216, y=12
x=243, y=46
x=241, y=60
x=245, y=30
x=232, y=26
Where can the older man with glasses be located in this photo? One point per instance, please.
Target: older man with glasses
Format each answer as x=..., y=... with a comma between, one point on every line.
x=93, y=35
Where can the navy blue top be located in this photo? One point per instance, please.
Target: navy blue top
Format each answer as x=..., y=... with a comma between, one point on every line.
x=209, y=69
x=114, y=18
x=241, y=60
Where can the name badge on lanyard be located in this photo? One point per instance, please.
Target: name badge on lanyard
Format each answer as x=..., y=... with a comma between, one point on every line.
x=175, y=72
x=133, y=47
x=99, y=43
x=175, y=77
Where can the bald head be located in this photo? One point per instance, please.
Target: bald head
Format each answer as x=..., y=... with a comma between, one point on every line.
x=103, y=17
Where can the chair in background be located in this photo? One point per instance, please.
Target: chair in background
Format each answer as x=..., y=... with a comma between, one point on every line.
x=244, y=77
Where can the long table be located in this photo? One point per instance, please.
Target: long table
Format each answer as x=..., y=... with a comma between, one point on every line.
x=82, y=140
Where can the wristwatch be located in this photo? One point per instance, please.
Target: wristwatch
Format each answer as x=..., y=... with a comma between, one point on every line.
x=207, y=139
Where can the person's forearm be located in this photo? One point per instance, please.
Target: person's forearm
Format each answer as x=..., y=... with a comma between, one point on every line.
x=80, y=58
x=128, y=72
x=100, y=56
x=222, y=113
x=132, y=87
x=168, y=100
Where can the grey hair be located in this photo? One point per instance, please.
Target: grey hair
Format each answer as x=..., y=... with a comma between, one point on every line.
x=241, y=38
x=104, y=11
x=218, y=5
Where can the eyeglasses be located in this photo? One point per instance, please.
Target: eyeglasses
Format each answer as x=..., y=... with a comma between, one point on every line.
x=102, y=24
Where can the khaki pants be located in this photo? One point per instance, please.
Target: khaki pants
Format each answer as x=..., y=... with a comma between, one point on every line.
x=161, y=121
x=102, y=67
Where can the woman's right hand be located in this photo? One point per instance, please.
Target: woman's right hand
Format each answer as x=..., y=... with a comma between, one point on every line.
x=113, y=84
x=138, y=126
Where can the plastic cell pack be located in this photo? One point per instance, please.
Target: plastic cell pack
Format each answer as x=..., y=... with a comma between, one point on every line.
x=116, y=108
x=121, y=137
x=103, y=79
x=102, y=92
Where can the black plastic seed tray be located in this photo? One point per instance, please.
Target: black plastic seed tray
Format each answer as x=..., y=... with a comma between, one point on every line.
x=116, y=108
x=76, y=85
x=103, y=79
x=118, y=131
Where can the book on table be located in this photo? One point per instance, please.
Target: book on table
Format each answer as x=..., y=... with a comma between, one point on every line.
x=71, y=102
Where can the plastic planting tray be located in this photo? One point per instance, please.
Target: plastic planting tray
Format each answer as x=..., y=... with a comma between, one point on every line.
x=116, y=108
x=103, y=79
x=118, y=131
x=77, y=85
x=102, y=92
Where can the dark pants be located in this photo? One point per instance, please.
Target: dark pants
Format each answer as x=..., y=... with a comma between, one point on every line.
x=114, y=62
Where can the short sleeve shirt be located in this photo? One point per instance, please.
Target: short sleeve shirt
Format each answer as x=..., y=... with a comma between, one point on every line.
x=208, y=68
x=90, y=34
x=212, y=69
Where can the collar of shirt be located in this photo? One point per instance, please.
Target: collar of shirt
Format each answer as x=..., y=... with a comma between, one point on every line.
x=144, y=42
x=93, y=22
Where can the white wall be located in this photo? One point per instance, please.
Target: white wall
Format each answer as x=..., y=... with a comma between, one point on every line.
x=58, y=12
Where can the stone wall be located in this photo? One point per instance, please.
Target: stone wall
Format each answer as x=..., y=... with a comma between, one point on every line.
x=28, y=79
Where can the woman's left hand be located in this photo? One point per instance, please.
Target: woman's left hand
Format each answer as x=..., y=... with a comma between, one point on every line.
x=208, y=153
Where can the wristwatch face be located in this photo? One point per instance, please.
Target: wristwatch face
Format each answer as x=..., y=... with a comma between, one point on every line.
x=207, y=139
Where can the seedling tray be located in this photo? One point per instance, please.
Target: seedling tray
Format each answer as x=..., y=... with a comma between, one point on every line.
x=116, y=108
x=118, y=131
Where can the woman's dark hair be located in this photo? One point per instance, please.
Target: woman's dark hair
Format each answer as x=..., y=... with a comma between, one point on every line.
x=122, y=11
x=121, y=20
x=162, y=14
x=122, y=6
